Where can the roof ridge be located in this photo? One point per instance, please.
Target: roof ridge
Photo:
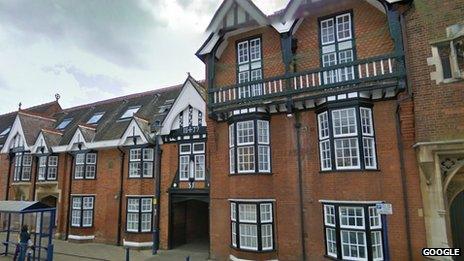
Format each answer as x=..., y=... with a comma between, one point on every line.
x=35, y=115
x=115, y=99
x=31, y=108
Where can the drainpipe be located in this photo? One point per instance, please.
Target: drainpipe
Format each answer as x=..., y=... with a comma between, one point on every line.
x=35, y=177
x=10, y=163
x=156, y=236
x=403, y=175
x=121, y=187
x=68, y=214
x=300, y=181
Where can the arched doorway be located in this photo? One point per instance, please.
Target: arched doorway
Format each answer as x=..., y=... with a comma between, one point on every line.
x=457, y=224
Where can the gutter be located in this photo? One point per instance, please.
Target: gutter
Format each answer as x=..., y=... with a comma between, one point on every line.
x=300, y=182
x=156, y=228
x=68, y=214
x=121, y=192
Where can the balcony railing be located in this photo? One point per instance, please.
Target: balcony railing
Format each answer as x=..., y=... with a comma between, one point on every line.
x=350, y=74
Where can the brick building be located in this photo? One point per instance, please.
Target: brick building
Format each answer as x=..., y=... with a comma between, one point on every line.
x=99, y=164
x=435, y=55
x=311, y=127
x=311, y=119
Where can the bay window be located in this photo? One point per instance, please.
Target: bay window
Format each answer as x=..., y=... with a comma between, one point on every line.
x=353, y=231
x=82, y=211
x=249, y=147
x=139, y=214
x=252, y=225
x=192, y=161
x=346, y=139
x=141, y=163
x=48, y=168
x=22, y=167
x=85, y=165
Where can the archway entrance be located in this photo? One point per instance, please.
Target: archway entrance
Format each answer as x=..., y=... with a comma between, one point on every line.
x=189, y=222
x=457, y=224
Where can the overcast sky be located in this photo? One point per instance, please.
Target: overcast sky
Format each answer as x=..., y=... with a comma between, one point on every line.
x=97, y=49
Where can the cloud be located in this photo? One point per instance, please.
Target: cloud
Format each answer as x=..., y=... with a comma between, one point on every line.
x=113, y=30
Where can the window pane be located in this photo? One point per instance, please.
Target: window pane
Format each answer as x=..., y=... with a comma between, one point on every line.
x=53, y=161
x=263, y=159
x=266, y=212
x=91, y=158
x=52, y=173
x=323, y=125
x=376, y=241
x=79, y=172
x=231, y=135
x=135, y=154
x=366, y=121
x=232, y=160
x=245, y=132
x=329, y=215
x=369, y=153
x=344, y=27
x=351, y=217
x=185, y=149
x=87, y=217
x=133, y=222
x=248, y=236
x=198, y=147
x=199, y=166
x=266, y=236
x=133, y=204
x=88, y=202
x=344, y=122
x=327, y=31
x=346, y=153
x=247, y=212
x=263, y=132
x=331, y=241
x=374, y=218
x=80, y=158
x=233, y=214
x=246, y=158
x=146, y=205
x=134, y=169
x=148, y=154
x=76, y=218
x=148, y=169
x=184, y=162
x=242, y=52
x=255, y=49
x=234, y=234
x=353, y=245
x=90, y=171
x=146, y=222
x=326, y=157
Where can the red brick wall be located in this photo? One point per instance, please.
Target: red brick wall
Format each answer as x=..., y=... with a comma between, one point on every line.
x=439, y=109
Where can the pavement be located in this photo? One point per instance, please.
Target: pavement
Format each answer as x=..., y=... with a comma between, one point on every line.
x=67, y=251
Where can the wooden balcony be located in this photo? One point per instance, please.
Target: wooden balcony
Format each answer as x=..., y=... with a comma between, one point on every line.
x=382, y=75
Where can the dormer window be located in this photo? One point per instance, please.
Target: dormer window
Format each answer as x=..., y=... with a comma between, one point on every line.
x=5, y=132
x=64, y=124
x=130, y=112
x=95, y=118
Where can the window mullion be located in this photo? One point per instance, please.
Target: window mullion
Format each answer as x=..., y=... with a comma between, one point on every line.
x=331, y=140
x=82, y=212
x=235, y=149
x=338, y=232
x=368, y=232
x=256, y=145
x=258, y=228
x=237, y=225
x=140, y=215
x=360, y=138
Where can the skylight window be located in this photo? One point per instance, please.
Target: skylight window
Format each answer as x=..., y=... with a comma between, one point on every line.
x=130, y=112
x=95, y=118
x=64, y=124
x=5, y=132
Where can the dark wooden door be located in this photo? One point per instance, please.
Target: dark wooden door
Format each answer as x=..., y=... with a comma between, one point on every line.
x=457, y=222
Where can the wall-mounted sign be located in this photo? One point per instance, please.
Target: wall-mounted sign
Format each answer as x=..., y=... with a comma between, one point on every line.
x=384, y=208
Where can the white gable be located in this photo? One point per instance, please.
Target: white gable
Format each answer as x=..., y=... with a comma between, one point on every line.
x=16, y=137
x=133, y=130
x=190, y=105
x=77, y=139
x=40, y=142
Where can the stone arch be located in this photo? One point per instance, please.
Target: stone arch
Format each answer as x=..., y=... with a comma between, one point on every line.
x=50, y=200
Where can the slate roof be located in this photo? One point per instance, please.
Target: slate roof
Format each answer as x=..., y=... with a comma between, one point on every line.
x=45, y=110
x=154, y=106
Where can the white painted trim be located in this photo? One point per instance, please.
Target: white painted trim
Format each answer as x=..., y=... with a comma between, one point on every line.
x=251, y=200
x=77, y=137
x=128, y=133
x=350, y=201
x=139, y=196
x=38, y=143
x=137, y=244
x=16, y=128
x=234, y=258
x=76, y=237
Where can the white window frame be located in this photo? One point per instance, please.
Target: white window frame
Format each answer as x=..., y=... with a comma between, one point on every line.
x=337, y=32
x=192, y=162
x=80, y=205
x=88, y=162
x=138, y=210
x=138, y=162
